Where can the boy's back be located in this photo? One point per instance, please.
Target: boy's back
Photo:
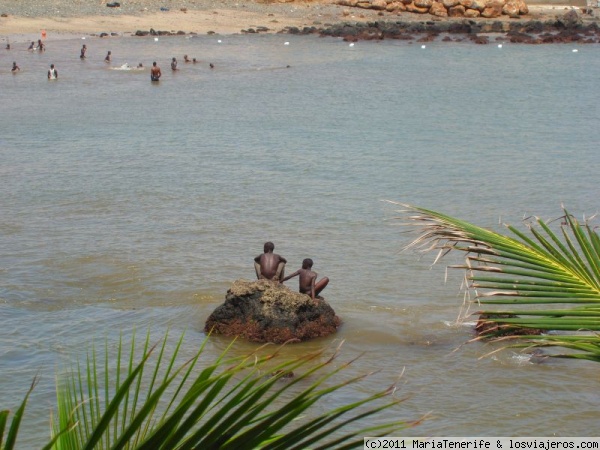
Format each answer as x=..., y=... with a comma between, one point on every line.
x=306, y=280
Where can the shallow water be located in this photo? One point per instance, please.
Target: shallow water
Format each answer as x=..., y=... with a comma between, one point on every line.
x=129, y=204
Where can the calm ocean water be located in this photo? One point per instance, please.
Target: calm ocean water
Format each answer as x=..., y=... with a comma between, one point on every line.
x=127, y=204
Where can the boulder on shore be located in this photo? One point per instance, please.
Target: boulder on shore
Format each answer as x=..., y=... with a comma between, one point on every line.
x=266, y=311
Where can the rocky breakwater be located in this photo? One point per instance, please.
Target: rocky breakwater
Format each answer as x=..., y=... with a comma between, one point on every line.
x=264, y=311
x=488, y=9
x=567, y=28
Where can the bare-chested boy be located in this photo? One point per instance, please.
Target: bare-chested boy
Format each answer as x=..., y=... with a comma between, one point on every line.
x=269, y=265
x=308, y=279
x=155, y=72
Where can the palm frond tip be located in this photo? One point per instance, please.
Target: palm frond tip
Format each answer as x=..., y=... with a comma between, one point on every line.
x=555, y=264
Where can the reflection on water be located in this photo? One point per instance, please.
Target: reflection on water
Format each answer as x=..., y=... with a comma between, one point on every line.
x=130, y=205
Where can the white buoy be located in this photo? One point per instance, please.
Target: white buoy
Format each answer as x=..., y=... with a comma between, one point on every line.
x=219, y=41
x=286, y=43
x=352, y=44
x=155, y=39
x=575, y=50
x=83, y=37
x=423, y=46
x=499, y=45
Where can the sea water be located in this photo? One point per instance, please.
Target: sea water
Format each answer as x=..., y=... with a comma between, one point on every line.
x=131, y=205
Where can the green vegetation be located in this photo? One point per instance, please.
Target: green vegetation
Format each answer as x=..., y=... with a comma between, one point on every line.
x=238, y=402
x=550, y=278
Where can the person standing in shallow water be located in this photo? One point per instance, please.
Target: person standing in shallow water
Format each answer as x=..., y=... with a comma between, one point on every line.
x=52, y=73
x=108, y=57
x=174, y=64
x=15, y=68
x=155, y=72
x=83, y=50
x=308, y=280
x=269, y=265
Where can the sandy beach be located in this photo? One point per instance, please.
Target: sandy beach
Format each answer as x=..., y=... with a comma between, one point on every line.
x=60, y=17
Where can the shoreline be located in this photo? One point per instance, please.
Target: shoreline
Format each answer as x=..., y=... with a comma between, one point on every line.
x=228, y=17
x=543, y=24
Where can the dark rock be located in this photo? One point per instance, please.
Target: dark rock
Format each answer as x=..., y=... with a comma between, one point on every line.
x=533, y=26
x=517, y=37
x=264, y=311
x=480, y=39
x=428, y=38
x=566, y=36
x=142, y=33
x=459, y=27
x=103, y=35
x=113, y=5
x=569, y=20
x=309, y=30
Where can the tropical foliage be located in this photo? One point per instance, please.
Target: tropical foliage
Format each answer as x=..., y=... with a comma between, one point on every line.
x=233, y=402
x=549, y=279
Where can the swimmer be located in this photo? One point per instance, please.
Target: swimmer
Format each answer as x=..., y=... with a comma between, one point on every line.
x=41, y=47
x=211, y=65
x=31, y=46
x=15, y=68
x=194, y=60
x=186, y=59
x=140, y=66
x=174, y=64
x=108, y=57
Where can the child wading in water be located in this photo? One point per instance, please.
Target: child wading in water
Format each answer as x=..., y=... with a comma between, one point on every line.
x=308, y=279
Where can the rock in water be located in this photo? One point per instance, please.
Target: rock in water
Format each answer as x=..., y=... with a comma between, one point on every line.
x=264, y=311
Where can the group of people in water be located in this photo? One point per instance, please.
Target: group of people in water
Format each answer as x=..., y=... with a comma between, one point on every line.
x=155, y=72
x=271, y=266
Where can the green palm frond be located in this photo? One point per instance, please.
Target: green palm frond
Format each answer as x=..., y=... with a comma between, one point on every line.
x=231, y=403
x=558, y=269
x=13, y=431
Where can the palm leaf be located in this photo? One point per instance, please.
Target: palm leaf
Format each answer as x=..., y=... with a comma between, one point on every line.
x=13, y=431
x=230, y=403
x=560, y=270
